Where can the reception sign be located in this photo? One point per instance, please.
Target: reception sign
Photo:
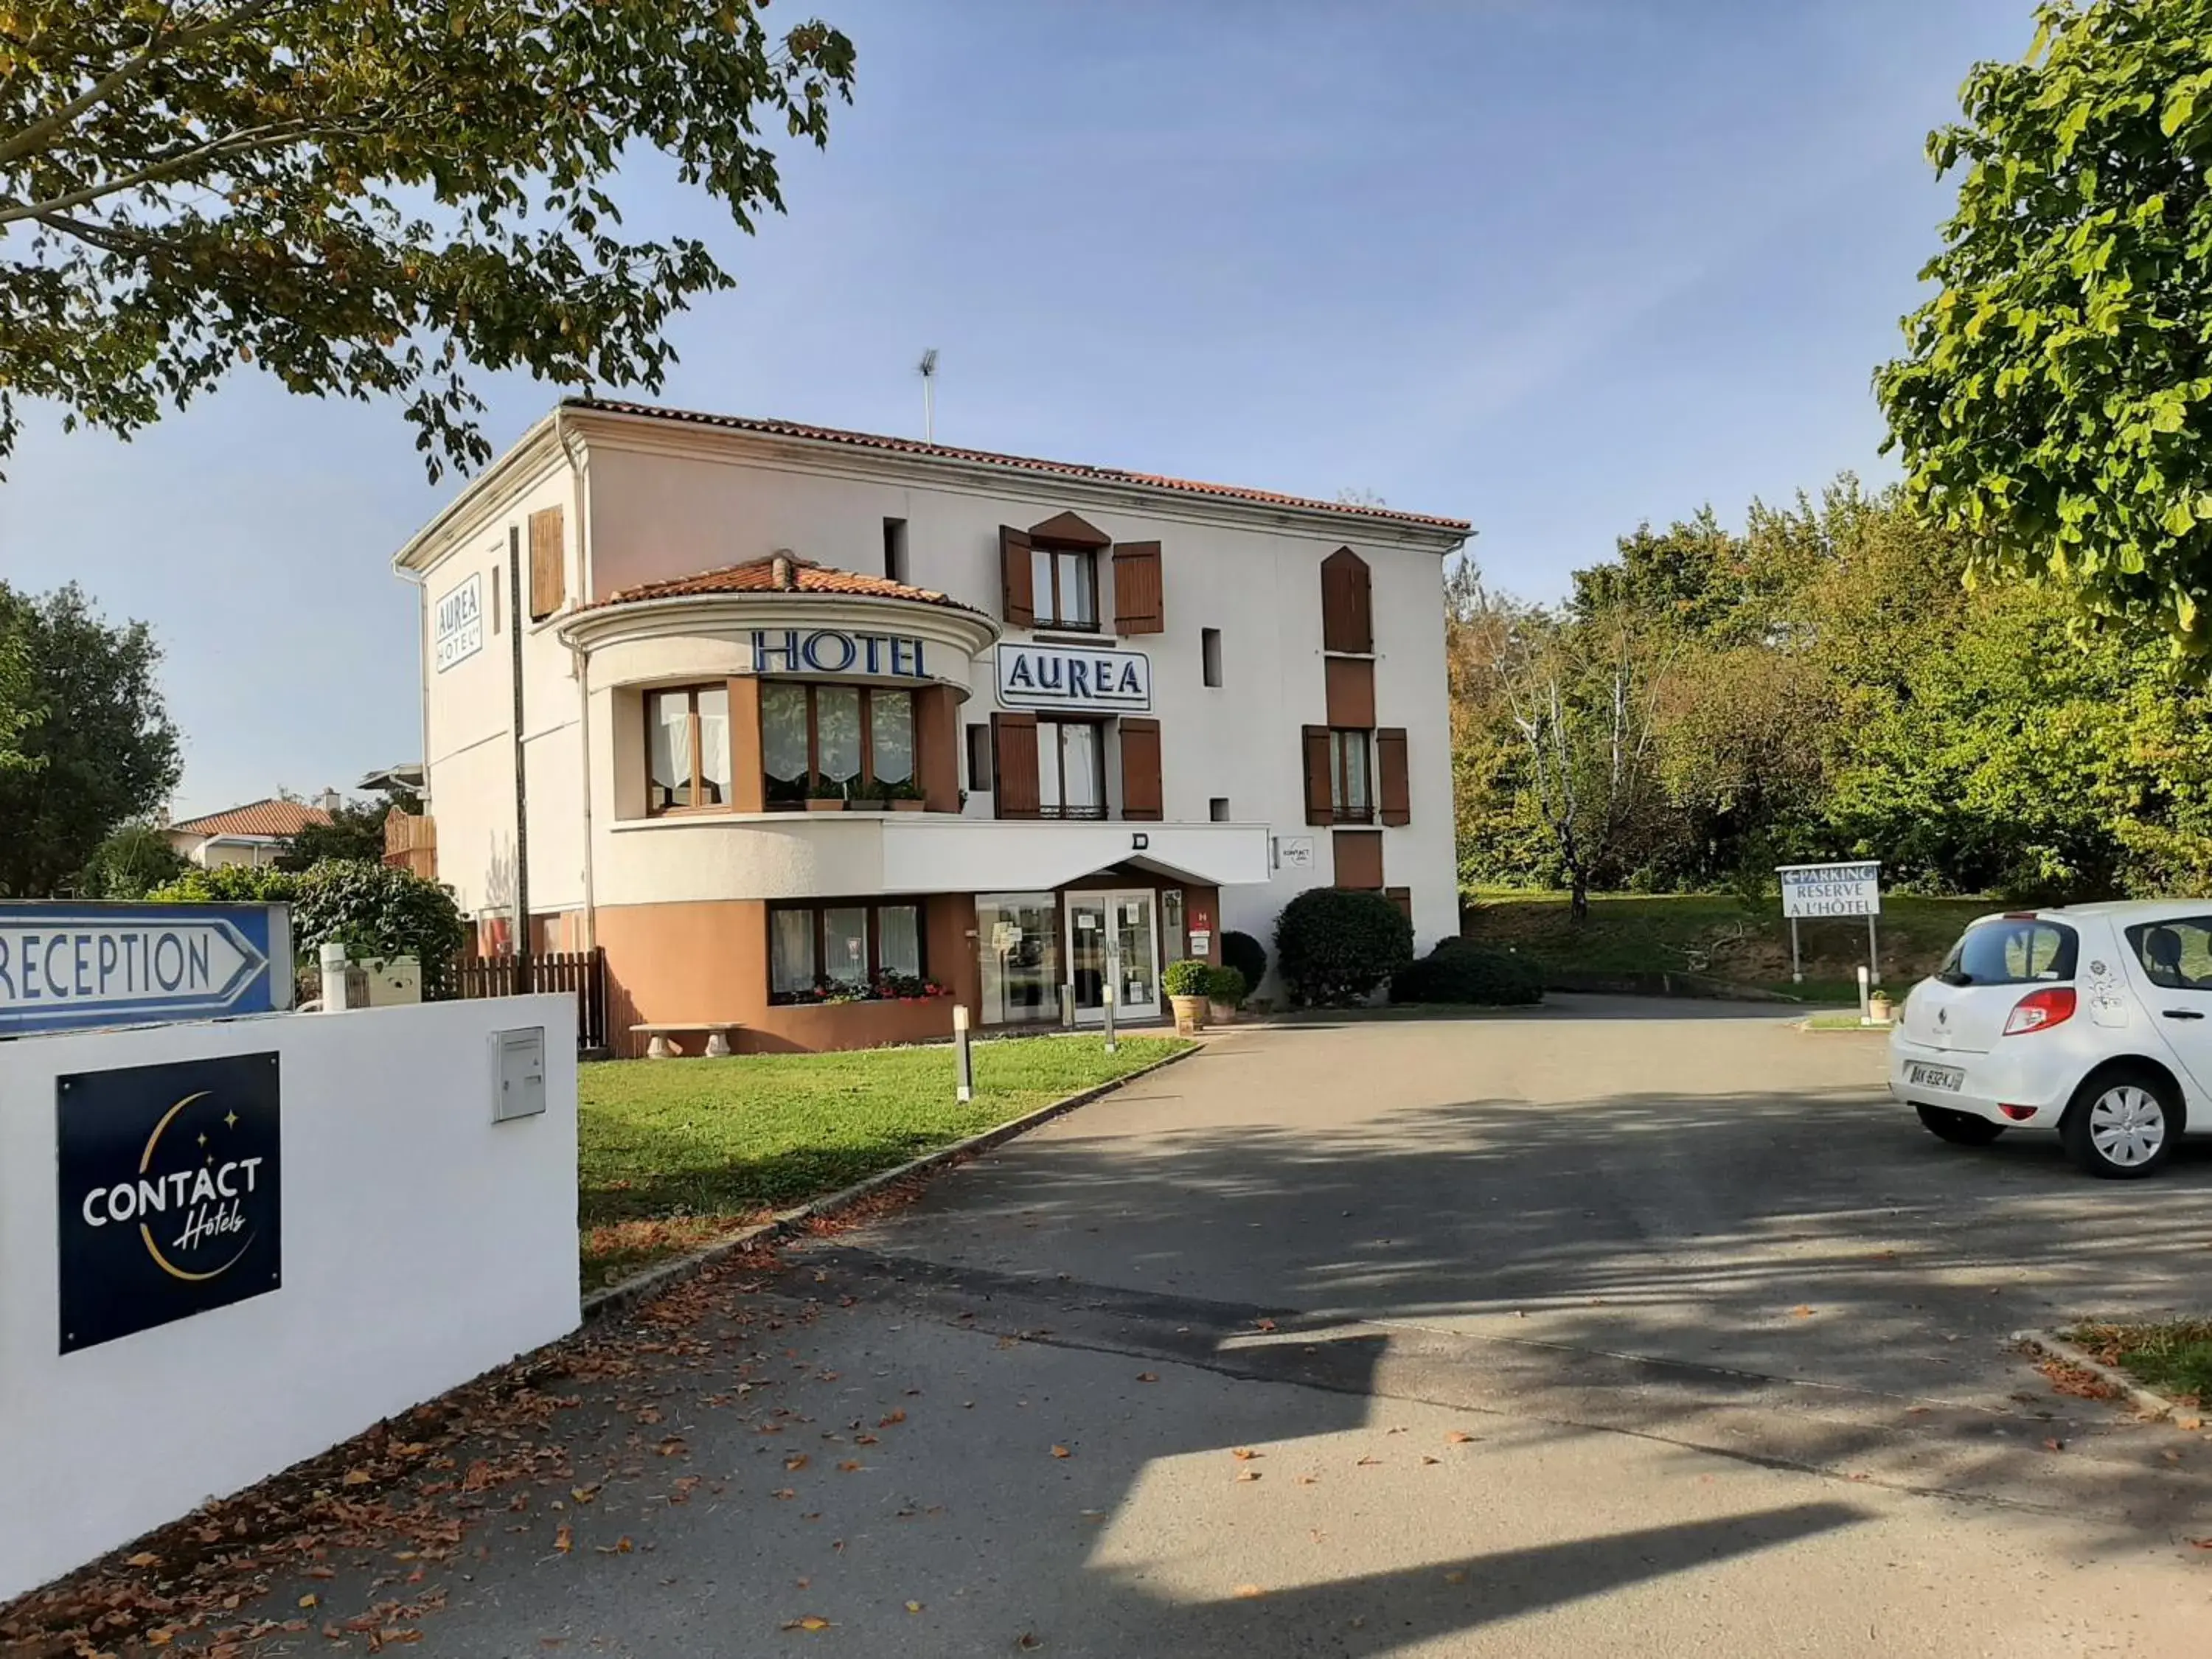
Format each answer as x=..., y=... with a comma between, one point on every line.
x=64, y=966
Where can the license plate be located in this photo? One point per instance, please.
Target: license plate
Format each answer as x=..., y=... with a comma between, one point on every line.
x=1936, y=1077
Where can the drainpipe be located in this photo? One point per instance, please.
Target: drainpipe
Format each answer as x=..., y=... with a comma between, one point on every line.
x=580, y=662
x=517, y=610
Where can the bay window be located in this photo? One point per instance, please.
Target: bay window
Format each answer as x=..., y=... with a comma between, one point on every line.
x=845, y=951
x=837, y=742
x=687, y=748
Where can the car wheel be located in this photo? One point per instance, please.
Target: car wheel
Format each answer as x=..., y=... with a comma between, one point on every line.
x=2123, y=1124
x=1959, y=1128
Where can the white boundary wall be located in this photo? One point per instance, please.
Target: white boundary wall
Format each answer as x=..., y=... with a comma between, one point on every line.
x=423, y=1244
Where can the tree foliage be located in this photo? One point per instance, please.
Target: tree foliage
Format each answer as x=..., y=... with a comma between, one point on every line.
x=1836, y=689
x=2054, y=404
x=355, y=835
x=374, y=909
x=361, y=196
x=86, y=744
x=131, y=864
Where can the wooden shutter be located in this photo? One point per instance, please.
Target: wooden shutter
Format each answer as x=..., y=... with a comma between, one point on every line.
x=1350, y=683
x=1348, y=616
x=1018, y=601
x=1358, y=857
x=1140, y=769
x=548, y=564
x=1320, y=805
x=1014, y=746
x=1394, y=790
x=1403, y=899
x=1137, y=594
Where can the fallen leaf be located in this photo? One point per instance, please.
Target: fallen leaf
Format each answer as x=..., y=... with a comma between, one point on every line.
x=885, y=1421
x=564, y=1540
x=670, y=1447
x=913, y=1607
x=1247, y=1474
x=1800, y=1311
x=1457, y=1576
x=1243, y=1454
x=1425, y=1458
x=811, y=1621
x=355, y=1478
x=1147, y=1377
x=1248, y=1592
x=1458, y=1437
x=1365, y=1462
x=399, y=1635
x=2054, y=1445
x=309, y=1600
x=851, y=1466
x=2188, y=1424
x=1263, y=1324
x=143, y=1559
x=1061, y=1451
x=783, y=1491
x=2201, y=1543
x=796, y=1461
x=1027, y=1642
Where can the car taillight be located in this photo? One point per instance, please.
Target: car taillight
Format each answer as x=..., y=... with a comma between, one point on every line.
x=2039, y=1011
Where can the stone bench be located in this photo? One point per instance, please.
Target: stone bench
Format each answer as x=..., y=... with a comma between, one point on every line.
x=717, y=1030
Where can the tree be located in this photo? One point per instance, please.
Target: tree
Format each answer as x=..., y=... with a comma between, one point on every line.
x=355, y=835
x=131, y=864
x=358, y=195
x=1580, y=697
x=94, y=746
x=2054, y=404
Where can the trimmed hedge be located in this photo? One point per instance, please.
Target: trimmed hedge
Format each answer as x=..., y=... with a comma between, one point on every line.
x=1225, y=984
x=1247, y=956
x=1189, y=977
x=1461, y=971
x=1336, y=947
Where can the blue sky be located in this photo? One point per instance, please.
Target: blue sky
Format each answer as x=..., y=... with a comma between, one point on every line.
x=1556, y=266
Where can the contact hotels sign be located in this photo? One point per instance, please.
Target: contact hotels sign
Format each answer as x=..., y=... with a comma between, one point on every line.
x=170, y=1189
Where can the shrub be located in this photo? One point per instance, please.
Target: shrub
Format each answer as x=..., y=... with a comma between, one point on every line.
x=1187, y=978
x=1247, y=956
x=1225, y=984
x=374, y=908
x=1336, y=947
x=1459, y=970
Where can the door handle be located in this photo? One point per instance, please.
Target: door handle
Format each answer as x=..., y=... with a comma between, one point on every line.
x=2183, y=1013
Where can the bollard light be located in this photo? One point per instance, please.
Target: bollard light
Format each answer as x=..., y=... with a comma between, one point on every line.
x=963, y=1055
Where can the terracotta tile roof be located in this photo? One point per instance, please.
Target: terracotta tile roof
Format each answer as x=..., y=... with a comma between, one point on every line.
x=758, y=576
x=1022, y=463
x=260, y=817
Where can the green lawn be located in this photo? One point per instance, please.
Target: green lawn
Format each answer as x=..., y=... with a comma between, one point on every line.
x=674, y=1153
x=2175, y=1359
x=1713, y=934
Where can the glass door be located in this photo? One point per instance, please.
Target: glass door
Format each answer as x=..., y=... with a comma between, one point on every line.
x=1114, y=934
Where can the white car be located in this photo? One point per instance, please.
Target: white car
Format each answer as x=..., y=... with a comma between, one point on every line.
x=2092, y=1020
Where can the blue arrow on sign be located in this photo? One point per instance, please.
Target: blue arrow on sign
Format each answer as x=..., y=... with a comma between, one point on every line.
x=64, y=966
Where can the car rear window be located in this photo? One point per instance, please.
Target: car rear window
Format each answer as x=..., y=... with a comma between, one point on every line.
x=2177, y=954
x=2011, y=951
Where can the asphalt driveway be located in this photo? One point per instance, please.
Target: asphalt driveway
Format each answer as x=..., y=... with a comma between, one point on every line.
x=1613, y=1327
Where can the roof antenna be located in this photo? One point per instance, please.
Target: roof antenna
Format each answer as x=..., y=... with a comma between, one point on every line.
x=927, y=369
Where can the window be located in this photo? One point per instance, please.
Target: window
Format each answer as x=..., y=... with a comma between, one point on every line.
x=1064, y=586
x=1351, y=795
x=1071, y=770
x=1017, y=940
x=2177, y=955
x=978, y=756
x=687, y=749
x=1209, y=652
x=1217, y=809
x=2016, y=951
x=836, y=742
x=863, y=952
x=894, y=549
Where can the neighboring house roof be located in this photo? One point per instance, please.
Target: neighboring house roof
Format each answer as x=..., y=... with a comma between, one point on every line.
x=1022, y=463
x=273, y=819
x=760, y=576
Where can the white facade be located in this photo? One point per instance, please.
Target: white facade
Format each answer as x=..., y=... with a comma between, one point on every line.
x=647, y=498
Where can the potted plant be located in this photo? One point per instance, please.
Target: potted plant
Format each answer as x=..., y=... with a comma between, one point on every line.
x=788, y=794
x=823, y=795
x=1187, y=983
x=904, y=796
x=1224, y=995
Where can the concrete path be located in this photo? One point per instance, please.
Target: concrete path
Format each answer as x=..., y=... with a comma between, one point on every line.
x=1627, y=1329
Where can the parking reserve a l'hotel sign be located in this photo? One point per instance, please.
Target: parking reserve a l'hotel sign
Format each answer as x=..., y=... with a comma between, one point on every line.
x=1811, y=890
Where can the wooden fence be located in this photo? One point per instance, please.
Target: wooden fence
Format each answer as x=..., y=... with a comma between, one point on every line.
x=582, y=973
x=410, y=843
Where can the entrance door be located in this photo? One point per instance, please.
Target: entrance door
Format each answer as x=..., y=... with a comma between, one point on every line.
x=1113, y=936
